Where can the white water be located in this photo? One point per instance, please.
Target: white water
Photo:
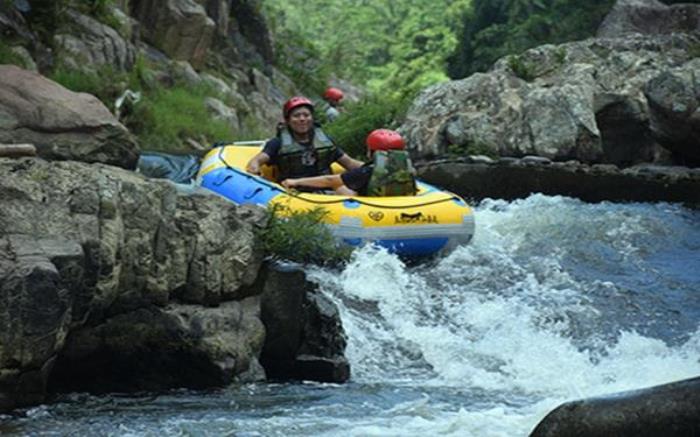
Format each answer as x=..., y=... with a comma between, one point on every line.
x=505, y=318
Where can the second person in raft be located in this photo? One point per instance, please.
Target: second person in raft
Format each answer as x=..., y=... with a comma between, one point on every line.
x=389, y=174
x=300, y=149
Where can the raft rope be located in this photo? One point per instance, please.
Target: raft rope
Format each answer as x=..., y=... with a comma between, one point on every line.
x=275, y=187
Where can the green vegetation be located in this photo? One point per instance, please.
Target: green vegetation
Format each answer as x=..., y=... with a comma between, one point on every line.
x=7, y=56
x=351, y=130
x=301, y=236
x=167, y=116
x=522, y=68
x=395, y=47
x=493, y=29
x=475, y=148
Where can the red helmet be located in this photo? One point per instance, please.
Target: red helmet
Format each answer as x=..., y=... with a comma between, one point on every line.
x=385, y=139
x=295, y=102
x=333, y=94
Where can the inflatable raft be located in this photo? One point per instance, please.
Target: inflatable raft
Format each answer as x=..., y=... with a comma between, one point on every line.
x=410, y=226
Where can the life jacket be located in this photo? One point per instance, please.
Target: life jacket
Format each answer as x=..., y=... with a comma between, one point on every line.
x=392, y=174
x=291, y=155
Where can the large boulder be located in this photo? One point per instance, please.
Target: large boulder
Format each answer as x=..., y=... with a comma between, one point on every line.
x=104, y=258
x=649, y=17
x=582, y=100
x=62, y=124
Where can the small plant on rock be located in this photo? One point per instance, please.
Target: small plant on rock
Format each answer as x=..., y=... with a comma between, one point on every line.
x=301, y=236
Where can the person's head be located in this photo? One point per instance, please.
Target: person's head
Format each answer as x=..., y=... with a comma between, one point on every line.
x=384, y=139
x=299, y=114
x=333, y=96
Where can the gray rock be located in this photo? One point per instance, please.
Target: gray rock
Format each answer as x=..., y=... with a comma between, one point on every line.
x=305, y=339
x=94, y=255
x=674, y=103
x=649, y=17
x=582, y=101
x=69, y=125
x=91, y=44
x=519, y=178
x=180, y=28
x=665, y=410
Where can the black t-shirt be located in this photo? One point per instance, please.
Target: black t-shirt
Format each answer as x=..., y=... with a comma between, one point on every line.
x=308, y=158
x=358, y=179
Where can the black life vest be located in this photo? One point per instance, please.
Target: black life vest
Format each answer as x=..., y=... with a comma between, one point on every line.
x=294, y=159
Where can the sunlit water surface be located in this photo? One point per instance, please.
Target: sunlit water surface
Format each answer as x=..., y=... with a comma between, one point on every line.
x=554, y=300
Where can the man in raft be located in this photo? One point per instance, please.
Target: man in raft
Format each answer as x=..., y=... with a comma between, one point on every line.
x=389, y=174
x=300, y=149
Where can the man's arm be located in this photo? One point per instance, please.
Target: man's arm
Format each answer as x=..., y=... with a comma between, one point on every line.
x=326, y=181
x=256, y=161
x=349, y=163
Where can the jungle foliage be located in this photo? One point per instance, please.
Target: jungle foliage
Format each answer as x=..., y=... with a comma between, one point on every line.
x=395, y=47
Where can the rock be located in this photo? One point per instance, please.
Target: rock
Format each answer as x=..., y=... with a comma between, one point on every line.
x=35, y=313
x=69, y=125
x=92, y=44
x=92, y=252
x=674, y=104
x=582, y=101
x=518, y=178
x=180, y=28
x=649, y=17
x=668, y=410
x=156, y=349
x=305, y=339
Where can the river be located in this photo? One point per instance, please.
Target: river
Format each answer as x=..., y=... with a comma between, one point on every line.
x=554, y=300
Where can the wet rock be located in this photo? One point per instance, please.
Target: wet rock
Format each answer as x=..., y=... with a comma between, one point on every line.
x=305, y=339
x=518, y=178
x=665, y=410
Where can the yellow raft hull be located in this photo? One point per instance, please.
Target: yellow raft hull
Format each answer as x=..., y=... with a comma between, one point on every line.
x=419, y=225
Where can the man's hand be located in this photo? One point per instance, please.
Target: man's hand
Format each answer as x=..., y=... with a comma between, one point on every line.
x=289, y=183
x=253, y=168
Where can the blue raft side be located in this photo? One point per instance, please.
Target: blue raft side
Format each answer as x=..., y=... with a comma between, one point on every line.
x=240, y=187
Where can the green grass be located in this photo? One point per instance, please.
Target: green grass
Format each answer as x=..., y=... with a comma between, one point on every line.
x=301, y=236
x=7, y=56
x=167, y=116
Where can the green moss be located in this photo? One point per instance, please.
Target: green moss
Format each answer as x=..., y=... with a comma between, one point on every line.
x=471, y=148
x=301, y=236
x=522, y=68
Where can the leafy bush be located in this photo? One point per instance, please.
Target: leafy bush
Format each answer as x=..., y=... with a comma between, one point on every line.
x=351, y=129
x=302, y=237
